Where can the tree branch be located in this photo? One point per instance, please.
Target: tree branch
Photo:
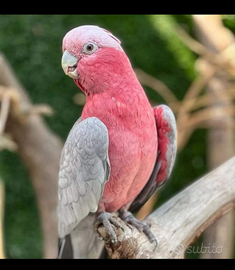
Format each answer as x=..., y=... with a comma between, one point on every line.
x=180, y=220
x=4, y=111
x=157, y=86
x=40, y=150
x=220, y=141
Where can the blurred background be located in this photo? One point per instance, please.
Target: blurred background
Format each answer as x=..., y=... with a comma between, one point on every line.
x=185, y=61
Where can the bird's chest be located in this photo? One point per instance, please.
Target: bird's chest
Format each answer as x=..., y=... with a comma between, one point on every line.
x=130, y=123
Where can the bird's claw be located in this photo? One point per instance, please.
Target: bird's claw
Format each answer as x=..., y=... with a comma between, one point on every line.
x=107, y=220
x=139, y=225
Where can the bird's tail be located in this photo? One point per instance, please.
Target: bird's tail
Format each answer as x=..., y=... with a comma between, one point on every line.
x=82, y=242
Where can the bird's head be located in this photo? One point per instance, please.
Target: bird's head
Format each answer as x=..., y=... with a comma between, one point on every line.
x=92, y=56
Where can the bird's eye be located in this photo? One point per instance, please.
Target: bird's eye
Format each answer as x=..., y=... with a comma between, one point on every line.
x=89, y=48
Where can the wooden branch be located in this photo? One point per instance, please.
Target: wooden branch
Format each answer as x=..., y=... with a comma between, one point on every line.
x=157, y=86
x=213, y=114
x=180, y=220
x=222, y=60
x=209, y=99
x=5, y=105
x=187, y=103
x=40, y=150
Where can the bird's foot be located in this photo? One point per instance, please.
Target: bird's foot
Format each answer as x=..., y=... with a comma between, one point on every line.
x=141, y=226
x=107, y=220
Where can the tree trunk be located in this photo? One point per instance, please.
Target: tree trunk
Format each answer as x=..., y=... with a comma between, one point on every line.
x=40, y=150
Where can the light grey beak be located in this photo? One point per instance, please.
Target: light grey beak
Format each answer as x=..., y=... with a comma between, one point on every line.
x=69, y=64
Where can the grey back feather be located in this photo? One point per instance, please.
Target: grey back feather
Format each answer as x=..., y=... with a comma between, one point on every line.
x=84, y=169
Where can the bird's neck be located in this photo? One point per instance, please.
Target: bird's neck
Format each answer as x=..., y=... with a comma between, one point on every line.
x=125, y=98
x=112, y=87
x=111, y=71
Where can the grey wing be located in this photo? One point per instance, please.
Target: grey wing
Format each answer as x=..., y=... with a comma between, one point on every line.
x=84, y=169
x=167, y=139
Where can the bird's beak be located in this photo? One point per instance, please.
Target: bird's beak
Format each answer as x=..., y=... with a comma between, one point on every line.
x=69, y=64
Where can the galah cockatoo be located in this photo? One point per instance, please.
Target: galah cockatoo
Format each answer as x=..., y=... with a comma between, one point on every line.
x=118, y=152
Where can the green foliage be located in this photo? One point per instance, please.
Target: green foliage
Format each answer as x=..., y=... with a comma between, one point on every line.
x=229, y=21
x=32, y=44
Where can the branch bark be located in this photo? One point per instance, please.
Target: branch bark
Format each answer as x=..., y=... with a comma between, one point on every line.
x=180, y=220
x=40, y=150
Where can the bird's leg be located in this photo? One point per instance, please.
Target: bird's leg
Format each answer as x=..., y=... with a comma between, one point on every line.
x=141, y=226
x=106, y=219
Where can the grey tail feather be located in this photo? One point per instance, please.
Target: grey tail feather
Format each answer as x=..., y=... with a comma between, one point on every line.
x=65, y=248
x=82, y=242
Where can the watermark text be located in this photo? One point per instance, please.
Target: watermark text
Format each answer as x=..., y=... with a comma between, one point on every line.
x=210, y=248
